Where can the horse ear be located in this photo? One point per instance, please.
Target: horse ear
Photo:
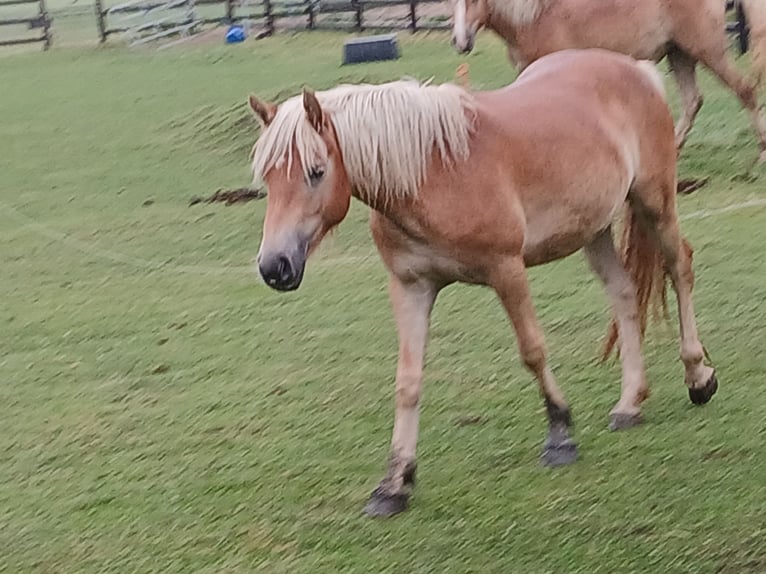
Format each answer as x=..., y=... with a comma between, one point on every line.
x=313, y=109
x=264, y=110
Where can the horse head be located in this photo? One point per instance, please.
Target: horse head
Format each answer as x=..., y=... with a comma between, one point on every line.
x=306, y=197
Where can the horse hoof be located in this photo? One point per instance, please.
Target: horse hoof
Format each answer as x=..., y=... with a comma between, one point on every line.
x=622, y=421
x=382, y=504
x=703, y=394
x=559, y=454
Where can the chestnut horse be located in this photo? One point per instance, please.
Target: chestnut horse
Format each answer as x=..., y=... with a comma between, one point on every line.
x=474, y=187
x=686, y=31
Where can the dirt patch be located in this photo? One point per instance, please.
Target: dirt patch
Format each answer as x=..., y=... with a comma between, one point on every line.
x=231, y=196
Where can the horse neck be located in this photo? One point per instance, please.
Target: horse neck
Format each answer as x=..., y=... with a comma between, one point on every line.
x=503, y=27
x=506, y=27
x=391, y=207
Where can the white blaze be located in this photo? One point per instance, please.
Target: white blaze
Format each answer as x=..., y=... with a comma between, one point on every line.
x=459, y=22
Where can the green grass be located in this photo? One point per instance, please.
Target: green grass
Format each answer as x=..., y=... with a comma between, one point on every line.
x=163, y=411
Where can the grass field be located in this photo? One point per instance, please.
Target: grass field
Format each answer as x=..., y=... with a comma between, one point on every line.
x=163, y=411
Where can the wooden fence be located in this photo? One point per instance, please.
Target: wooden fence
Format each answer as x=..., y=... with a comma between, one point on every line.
x=146, y=20
x=266, y=16
x=21, y=24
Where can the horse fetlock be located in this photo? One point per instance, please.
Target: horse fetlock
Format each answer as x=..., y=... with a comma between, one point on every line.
x=558, y=415
x=400, y=475
x=697, y=373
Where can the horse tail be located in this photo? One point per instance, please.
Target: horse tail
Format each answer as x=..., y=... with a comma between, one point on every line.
x=645, y=264
x=755, y=14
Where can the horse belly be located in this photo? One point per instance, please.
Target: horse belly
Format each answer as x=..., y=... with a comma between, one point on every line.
x=411, y=257
x=554, y=234
x=638, y=29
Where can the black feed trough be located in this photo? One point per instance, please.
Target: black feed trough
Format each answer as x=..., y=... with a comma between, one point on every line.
x=371, y=49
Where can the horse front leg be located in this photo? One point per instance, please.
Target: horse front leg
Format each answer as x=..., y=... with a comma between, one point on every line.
x=412, y=303
x=510, y=283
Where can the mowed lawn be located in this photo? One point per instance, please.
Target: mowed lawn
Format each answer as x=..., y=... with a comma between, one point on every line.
x=162, y=411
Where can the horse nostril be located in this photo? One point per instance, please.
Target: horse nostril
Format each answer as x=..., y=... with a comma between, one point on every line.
x=284, y=269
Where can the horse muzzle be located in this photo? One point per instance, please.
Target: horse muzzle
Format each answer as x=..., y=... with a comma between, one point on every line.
x=283, y=271
x=464, y=46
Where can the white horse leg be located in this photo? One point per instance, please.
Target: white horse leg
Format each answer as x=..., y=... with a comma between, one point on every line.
x=412, y=304
x=606, y=264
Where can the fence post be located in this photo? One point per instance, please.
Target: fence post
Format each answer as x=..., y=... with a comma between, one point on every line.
x=357, y=5
x=312, y=16
x=191, y=17
x=46, y=25
x=413, y=16
x=229, y=11
x=100, y=21
x=269, y=17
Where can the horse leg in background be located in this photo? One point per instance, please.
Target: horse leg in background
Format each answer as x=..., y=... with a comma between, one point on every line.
x=718, y=62
x=510, y=282
x=605, y=262
x=412, y=304
x=683, y=67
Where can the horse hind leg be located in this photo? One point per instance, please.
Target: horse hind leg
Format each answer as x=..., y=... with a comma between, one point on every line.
x=657, y=213
x=699, y=377
x=745, y=90
x=605, y=263
x=683, y=67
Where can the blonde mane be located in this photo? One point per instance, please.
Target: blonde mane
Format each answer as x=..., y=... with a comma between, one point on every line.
x=518, y=12
x=387, y=134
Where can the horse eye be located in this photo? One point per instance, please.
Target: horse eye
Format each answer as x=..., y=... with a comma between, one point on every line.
x=315, y=175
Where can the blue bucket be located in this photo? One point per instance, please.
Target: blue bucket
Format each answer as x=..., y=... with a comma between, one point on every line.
x=235, y=34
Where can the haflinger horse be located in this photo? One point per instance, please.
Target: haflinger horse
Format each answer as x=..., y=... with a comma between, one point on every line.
x=475, y=187
x=686, y=31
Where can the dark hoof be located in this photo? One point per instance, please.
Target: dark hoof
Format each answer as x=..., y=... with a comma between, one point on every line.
x=622, y=421
x=559, y=453
x=382, y=504
x=704, y=394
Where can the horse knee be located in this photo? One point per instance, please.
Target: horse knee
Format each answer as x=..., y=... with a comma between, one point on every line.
x=747, y=95
x=408, y=393
x=745, y=90
x=534, y=357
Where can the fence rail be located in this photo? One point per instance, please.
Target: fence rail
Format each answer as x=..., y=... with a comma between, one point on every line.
x=165, y=18
x=38, y=21
x=266, y=16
